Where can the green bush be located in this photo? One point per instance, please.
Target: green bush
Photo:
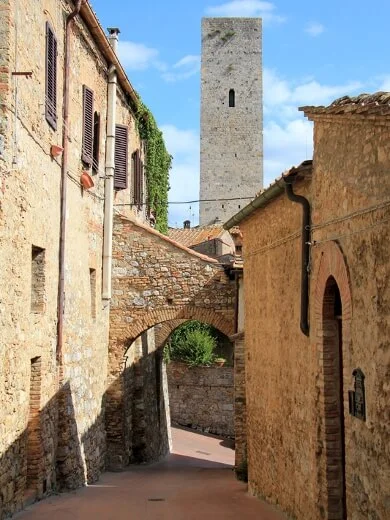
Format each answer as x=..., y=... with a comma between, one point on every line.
x=193, y=344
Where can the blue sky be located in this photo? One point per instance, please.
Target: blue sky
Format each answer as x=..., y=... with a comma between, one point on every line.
x=313, y=52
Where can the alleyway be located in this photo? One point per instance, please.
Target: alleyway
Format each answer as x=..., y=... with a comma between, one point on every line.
x=195, y=482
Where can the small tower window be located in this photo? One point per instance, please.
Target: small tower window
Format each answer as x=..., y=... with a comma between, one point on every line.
x=232, y=100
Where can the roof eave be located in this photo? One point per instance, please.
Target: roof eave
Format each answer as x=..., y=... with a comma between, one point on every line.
x=273, y=191
x=261, y=200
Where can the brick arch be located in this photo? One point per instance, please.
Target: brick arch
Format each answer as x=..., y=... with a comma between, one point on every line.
x=185, y=313
x=332, y=263
x=333, y=342
x=165, y=329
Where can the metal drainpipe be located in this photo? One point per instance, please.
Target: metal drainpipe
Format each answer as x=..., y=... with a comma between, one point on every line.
x=304, y=322
x=64, y=167
x=109, y=172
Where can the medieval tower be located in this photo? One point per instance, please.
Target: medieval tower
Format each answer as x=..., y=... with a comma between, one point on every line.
x=231, y=127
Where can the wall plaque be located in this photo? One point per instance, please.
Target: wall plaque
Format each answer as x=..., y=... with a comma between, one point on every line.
x=357, y=397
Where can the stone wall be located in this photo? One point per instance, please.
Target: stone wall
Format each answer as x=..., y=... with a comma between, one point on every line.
x=231, y=140
x=354, y=215
x=68, y=429
x=295, y=415
x=202, y=398
x=280, y=365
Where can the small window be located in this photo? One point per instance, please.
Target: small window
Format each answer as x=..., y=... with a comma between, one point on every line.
x=88, y=126
x=37, y=279
x=96, y=142
x=92, y=283
x=121, y=147
x=232, y=100
x=51, y=77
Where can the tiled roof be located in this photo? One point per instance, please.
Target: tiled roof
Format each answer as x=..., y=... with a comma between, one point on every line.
x=364, y=104
x=192, y=236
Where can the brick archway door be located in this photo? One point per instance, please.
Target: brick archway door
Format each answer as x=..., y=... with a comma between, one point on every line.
x=333, y=318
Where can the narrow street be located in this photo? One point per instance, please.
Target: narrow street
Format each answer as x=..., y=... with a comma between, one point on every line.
x=195, y=482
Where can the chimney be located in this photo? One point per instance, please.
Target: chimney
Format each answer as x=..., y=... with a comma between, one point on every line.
x=113, y=38
x=187, y=224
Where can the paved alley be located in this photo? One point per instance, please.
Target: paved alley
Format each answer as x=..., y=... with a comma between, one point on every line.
x=195, y=482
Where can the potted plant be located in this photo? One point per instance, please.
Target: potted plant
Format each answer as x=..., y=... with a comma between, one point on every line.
x=220, y=361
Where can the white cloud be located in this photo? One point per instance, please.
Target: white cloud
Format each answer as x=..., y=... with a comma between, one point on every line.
x=288, y=136
x=136, y=56
x=181, y=142
x=246, y=8
x=184, y=68
x=314, y=29
x=283, y=93
x=286, y=144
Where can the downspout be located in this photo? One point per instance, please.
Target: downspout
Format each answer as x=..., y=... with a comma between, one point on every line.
x=64, y=168
x=304, y=322
x=109, y=172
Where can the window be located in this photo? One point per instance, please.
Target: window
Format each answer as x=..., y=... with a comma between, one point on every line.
x=121, y=147
x=51, y=77
x=37, y=279
x=92, y=283
x=96, y=142
x=88, y=126
x=137, y=178
x=232, y=101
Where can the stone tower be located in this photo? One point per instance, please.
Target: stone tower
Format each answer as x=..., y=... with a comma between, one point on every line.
x=231, y=128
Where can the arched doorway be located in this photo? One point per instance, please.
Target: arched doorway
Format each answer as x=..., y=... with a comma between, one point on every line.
x=332, y=320
x=332, y=326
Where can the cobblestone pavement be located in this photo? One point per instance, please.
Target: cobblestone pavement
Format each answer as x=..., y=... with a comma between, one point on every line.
x=195, y=482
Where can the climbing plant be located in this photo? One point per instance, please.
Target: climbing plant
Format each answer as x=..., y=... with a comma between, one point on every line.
x=157, y=165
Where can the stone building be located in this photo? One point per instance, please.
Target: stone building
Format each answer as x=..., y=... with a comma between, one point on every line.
x=69, y=152
x=317, y=339
x=231, y=129
x=84, y=279
x=213, y=241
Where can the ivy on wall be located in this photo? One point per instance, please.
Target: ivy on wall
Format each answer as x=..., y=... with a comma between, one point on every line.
x=157, y=165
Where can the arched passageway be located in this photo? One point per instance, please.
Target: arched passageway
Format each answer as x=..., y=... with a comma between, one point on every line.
x=155, y=281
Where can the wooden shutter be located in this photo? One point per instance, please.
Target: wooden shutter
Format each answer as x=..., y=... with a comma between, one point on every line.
x=141, y=183
x=51, y=77
x=96, y=142
x=136, y=186
x=137, y=183
x=88, y=123
x=121, y=147
x=133, y=173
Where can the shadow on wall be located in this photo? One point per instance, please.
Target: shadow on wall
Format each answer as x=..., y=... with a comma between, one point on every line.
x=50, y=455
x=137, y=411
x=45, y=457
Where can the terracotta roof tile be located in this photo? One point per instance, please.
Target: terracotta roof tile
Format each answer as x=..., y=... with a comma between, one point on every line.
x=192, y=236
x=364, y=104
